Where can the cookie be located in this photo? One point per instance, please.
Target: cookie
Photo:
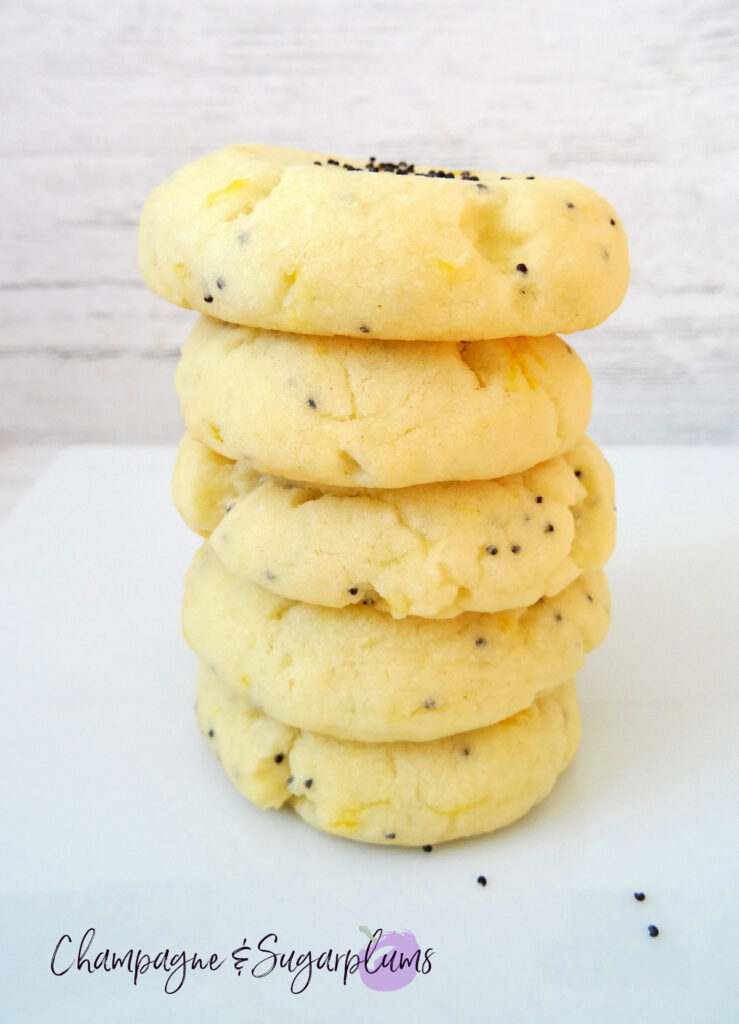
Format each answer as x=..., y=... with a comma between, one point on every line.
x=355, y=413
x=283, y=239
x=400, y=794
x=357, y=673
x=204, y=484
x=433, y=550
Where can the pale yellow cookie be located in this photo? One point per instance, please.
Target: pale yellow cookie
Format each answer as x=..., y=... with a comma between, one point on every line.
x=359, y=413
x=357, y=673
x=401, y=794
x=264, y=236
x=433, y=550
x=205, y=484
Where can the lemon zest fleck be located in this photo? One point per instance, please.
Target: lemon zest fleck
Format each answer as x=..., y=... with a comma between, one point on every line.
x=505, y=622
x=460, y=808
x=518, y=351
x=449, y=269
x=224, y=193
x=350, y=817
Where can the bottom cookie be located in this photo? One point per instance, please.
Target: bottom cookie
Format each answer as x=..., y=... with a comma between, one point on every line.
x=403, y=793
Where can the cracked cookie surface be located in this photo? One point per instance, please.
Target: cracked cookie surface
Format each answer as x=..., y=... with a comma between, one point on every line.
x=284, y=239
x=398, y=794
x=433, y=550
x=382, y=414
x=357, y=673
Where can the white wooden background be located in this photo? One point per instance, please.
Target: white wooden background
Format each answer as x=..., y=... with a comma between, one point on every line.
x=101, y=100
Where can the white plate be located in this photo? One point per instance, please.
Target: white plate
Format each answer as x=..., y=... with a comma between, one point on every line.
x=116, y=816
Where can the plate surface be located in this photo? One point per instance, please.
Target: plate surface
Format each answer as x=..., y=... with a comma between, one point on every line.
x=115, y=816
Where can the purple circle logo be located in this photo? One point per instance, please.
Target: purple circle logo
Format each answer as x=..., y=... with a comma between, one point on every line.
x=390, y=960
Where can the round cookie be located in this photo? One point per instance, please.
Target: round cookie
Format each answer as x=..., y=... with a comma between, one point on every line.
x=433, y=550
x=355, y=413
x=204, y=485
x=400, y=794
x=283, y=239
x=357, y=673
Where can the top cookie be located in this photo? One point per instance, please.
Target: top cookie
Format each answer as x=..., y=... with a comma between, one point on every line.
x=301, y=242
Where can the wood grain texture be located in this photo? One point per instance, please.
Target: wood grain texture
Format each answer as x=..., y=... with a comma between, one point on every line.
x=636, y=99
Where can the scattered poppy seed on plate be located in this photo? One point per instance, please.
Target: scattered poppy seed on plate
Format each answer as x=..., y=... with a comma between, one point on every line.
x=279, y=758
x=522, y=268
x=211, y=733
x=637, y=895
x=308, y=783
x=482, y=880
x=504, y=177
x=207, y=298
x=653, y=930
x=427, y=848
x=492, y=550
x=530, y=177
x=311, y=403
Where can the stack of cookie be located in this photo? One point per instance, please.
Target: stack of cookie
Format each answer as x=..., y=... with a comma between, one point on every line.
x=406, y=525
